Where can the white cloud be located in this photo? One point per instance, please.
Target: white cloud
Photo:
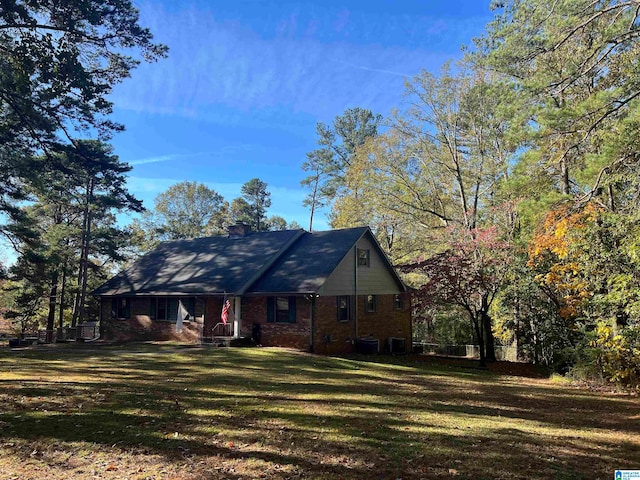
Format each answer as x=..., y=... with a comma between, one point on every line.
x=214, y=63
x=221, y=153
x=369, y=69
x=160, y=158
x=142, y=186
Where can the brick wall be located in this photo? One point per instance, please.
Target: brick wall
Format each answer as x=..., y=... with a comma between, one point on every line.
x=330, y=335
x=386, y=322
x=140, y=327
x=333, y=337
x=293, y=335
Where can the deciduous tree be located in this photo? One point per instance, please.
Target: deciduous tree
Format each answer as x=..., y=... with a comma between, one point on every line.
x=469, y=275
x=328, y=164
x=185, y=210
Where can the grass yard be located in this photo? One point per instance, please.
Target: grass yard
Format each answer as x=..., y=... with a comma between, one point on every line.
x=166, y=412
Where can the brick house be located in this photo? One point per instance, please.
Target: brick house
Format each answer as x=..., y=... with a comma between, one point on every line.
x=324, y=292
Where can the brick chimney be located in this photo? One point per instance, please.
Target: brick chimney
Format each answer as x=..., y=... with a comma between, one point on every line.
x=240, y=229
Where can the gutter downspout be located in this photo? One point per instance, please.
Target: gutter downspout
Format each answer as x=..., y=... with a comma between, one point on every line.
x=312, y=319
x=355, y=291
x=203, y=300
x=100, y=323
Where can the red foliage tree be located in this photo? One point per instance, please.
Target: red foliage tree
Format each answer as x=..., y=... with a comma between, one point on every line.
x=468, y=274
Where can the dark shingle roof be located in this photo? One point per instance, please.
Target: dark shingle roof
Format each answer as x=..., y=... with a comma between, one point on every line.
x=202, y=265
x=308, y=263
x=290, y=261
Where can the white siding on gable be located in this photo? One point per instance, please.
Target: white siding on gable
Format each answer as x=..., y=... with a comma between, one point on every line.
x=376, y=279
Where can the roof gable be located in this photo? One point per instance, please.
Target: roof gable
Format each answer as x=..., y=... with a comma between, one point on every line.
x=378, y=277
x=306, y=265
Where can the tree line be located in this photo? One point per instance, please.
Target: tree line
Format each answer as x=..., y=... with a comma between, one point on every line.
x=506, y=187
x=69, y=242
x=192, y=210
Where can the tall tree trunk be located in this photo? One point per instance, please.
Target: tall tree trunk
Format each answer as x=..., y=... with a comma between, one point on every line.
x=536, y=356
x=612, y=202
x=485, y=318
x=490, y=344
x=516, y=314
x=53, y=289
x=53, y=294
x=85, y=271
x=78, y=310
x=62, y=292
x=313, y=202
x=313, y=207
x=76, y=297
x=477, y=326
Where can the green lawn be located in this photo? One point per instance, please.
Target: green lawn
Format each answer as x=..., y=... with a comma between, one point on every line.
x=151, y=412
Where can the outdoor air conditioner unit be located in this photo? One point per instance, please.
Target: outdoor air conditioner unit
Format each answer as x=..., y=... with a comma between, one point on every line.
x=397, y=345
x=368, y=345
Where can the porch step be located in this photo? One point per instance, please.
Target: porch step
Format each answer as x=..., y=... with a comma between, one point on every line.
x=225, y=341
x=218, y=341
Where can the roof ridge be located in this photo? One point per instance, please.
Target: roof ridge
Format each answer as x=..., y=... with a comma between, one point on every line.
x=333, y=230
x=385, y=258
x=269, y=263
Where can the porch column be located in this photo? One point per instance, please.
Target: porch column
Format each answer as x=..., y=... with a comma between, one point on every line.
x=237, y=312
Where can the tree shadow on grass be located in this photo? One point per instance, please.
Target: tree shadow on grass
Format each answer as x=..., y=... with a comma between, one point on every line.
x=326, y=418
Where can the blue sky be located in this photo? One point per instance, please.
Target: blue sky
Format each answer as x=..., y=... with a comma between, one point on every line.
x=246, y=82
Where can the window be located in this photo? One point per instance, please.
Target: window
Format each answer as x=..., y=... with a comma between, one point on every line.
x=397, y=302
x=245, y=307
x=363, y=257
x=161, y=312
x=166, y=308
x=344, y=312
x=371, y=303
x=281, y=309
x=120, y=308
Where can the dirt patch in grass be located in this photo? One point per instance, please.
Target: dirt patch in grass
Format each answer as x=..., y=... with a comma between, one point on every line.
x=166, y=412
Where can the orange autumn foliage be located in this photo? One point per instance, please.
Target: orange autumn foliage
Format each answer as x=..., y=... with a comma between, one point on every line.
x=552, y=252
